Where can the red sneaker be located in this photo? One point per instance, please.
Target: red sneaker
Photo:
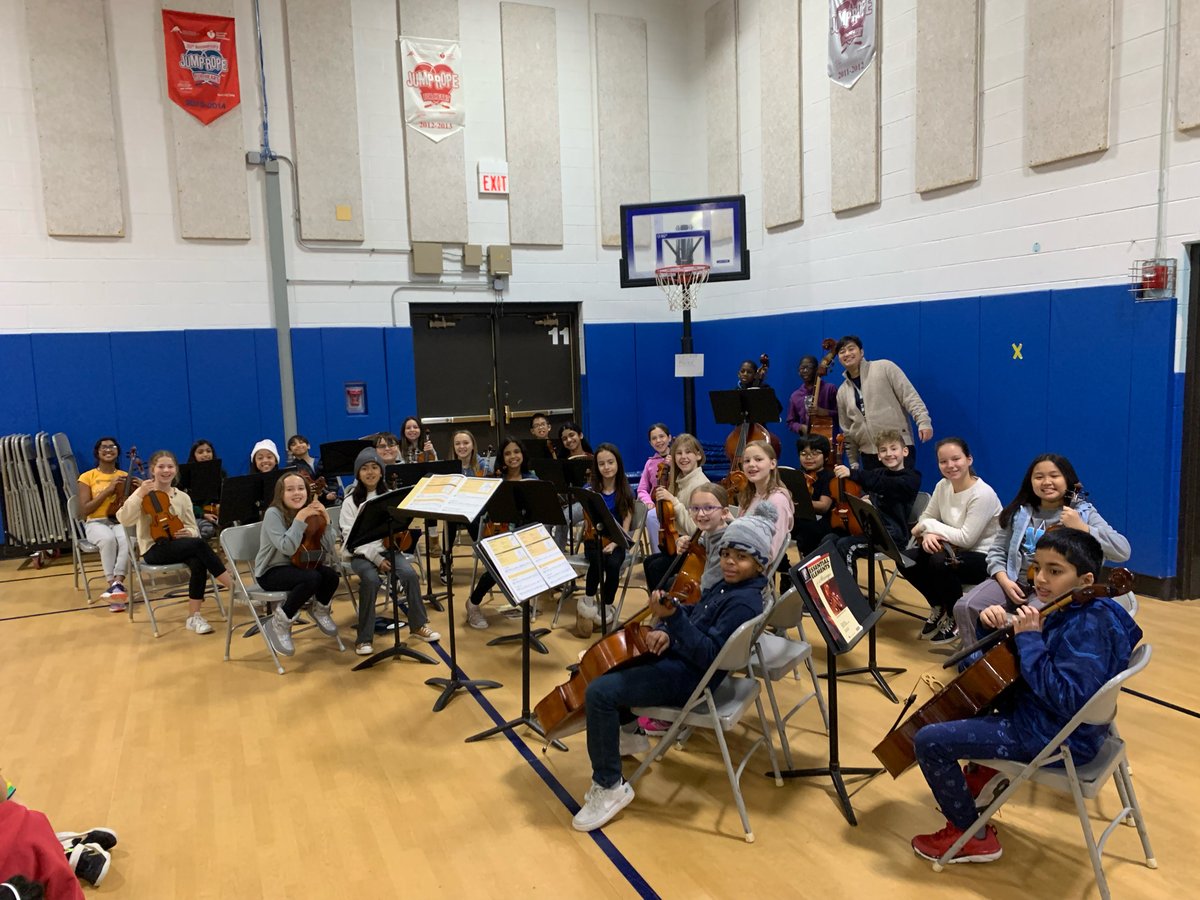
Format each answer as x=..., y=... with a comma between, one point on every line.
x=984, y=784
x=976, y=850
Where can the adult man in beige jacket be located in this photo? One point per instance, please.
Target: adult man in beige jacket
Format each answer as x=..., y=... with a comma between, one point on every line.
x=875, y=396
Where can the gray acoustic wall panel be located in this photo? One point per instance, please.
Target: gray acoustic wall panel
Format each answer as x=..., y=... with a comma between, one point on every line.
x=720, y=63
x=210, y=160
x=1067, y=82
x=1187, y=94
x=325, y=119
x=72, y=100
x=854, y=140
x=779, y=40
x=529, y=46
x=623, y=111
x=436, y=172
x=947, y=93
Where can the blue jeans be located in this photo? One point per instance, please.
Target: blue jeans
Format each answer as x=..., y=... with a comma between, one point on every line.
x=370, y=579
x=663, y=682
x=941, y=746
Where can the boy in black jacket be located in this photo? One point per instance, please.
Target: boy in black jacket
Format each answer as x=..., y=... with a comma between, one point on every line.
x=892, y=488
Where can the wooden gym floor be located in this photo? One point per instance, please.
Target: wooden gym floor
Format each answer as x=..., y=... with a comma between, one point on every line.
x=225, y=780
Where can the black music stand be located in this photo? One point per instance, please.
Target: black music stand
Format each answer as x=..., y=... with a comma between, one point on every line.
x=202, y=481
x=527, y=639
x=524, y=502
x=565, y=474
x=877, y=539
x=338, y=457
x=794, y=481
x=539, y=450
x=379, y=518
x=836, y=644
x=759, y=405
x=244, y=498
x=596, y=510
x=399, y=475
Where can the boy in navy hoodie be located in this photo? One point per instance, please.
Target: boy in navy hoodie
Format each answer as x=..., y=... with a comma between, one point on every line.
x=1064, y=661
x=686, y=641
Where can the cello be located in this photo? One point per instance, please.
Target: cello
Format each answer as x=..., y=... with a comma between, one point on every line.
x=978, y=686
x=840, y=514
x=735, y=443
x=818, y=421
x=561, y=712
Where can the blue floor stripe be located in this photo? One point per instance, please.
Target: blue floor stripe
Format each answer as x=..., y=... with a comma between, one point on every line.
x=624, y=866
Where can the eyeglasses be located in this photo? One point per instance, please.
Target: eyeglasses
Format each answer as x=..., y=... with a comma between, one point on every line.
x=107, y=447
x=703, y=509
x=386, y=445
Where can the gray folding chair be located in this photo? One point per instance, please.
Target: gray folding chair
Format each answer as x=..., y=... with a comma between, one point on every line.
x=720, y=711
x=778, y=656
x=1083, y=782
x=143, y=571
x=80, y=547
x=240, y=546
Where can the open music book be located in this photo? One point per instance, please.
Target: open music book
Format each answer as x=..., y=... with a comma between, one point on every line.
x=527, y=562
x=457, y=495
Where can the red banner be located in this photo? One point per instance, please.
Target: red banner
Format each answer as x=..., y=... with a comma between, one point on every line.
x=202, y=75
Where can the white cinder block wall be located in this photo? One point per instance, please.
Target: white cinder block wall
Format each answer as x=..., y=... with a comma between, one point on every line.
x=1089, y=219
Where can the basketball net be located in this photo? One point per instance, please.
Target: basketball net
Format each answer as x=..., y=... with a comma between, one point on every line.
x=682, y=284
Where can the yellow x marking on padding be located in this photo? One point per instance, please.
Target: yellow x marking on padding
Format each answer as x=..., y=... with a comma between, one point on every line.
x=1017, y=351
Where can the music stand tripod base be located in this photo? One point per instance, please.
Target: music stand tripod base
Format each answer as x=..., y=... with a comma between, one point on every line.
x=453, y=684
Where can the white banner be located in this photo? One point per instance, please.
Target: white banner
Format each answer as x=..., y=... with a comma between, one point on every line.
x=432, y=85
x=851, y=39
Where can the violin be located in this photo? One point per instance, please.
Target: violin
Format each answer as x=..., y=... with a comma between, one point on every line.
x=125, y=487
x=977, y=687
x=164, y=524
x=561, y=712
x=308, y=554
x=1074, y=495
x=668, y=534
x=840, y=514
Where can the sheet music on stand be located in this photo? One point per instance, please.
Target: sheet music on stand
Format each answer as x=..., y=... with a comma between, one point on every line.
x=842, y=611
x=526, y=562
x=456, y=495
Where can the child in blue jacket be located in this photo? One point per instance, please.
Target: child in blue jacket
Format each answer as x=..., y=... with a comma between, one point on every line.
x=686, y=641
x=1064, y=662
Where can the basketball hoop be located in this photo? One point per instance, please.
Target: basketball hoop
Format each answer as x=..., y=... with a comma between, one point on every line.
x=682, y=284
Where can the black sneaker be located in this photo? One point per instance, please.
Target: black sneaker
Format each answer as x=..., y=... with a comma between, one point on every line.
x=90, y=863
x=946, y=632
x=104, y=838
x=931, y=624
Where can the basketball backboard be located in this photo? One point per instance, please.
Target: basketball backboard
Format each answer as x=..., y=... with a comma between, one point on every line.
x=709, y=231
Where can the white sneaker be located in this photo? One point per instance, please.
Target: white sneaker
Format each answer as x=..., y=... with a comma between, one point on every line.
x=321, y=613
x=426, y=634
x=198, y=624
x=601, y=804
x=585, y=616
x=633, y=743
x=475, y=616
x=364, y=649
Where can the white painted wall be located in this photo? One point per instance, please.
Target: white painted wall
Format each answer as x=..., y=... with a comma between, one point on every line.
x=1091, y=218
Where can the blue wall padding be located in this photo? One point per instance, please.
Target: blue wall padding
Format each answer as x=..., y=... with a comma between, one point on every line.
x=398, y=396
x=1095, y=383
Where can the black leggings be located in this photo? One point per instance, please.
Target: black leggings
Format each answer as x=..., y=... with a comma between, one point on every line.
x=612, y=570
x=941, y=583
x=301, y=585
x=196, y=554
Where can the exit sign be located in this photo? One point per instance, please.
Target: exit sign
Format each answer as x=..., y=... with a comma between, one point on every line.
x=493, y=176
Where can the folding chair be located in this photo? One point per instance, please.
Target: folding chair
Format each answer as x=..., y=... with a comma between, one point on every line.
x=918, y=507
x=633, y=558
x=1081, y=782
x=720, y=710
x=80, y=547
x=779, y=656
x=142, y=570
x=240, y=546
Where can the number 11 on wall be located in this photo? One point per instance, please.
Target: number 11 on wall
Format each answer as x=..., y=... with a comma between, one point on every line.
x=557, y=333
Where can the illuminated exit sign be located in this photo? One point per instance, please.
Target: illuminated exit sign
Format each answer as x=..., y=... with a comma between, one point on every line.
x=493, y=176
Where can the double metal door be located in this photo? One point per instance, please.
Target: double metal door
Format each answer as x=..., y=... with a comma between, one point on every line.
x=490, y=370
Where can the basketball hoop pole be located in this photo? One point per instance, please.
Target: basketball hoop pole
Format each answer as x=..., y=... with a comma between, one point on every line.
x=689, y=383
